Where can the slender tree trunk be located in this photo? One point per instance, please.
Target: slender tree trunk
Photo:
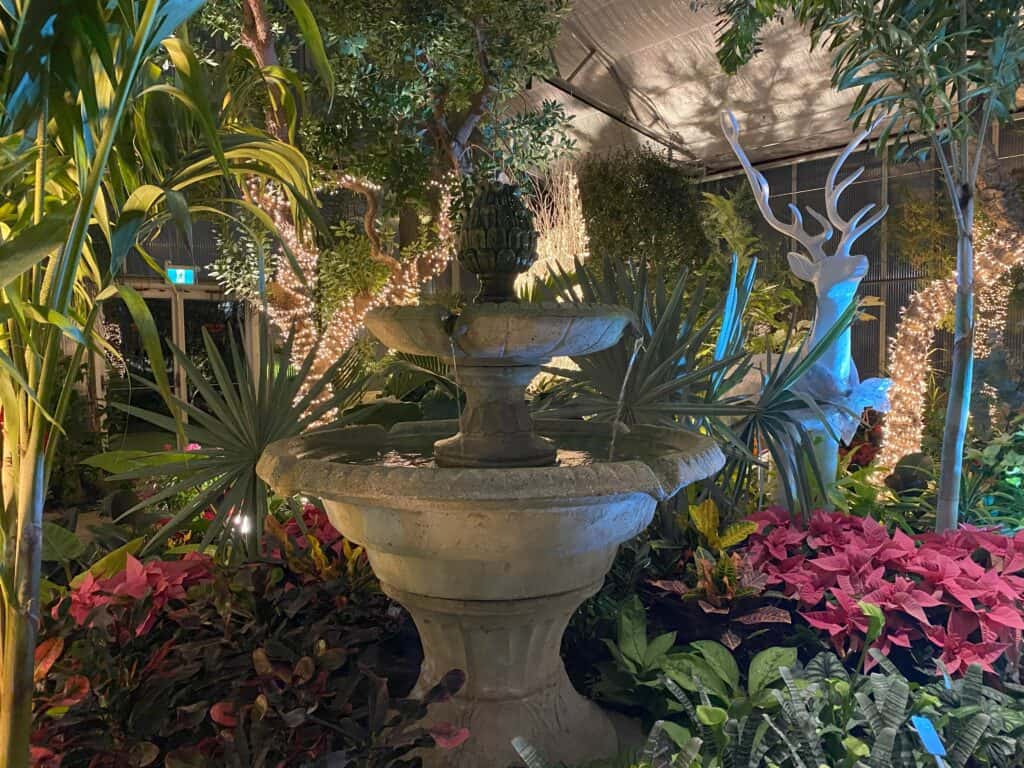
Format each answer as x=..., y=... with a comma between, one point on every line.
x=21, y=620
x=954, y=434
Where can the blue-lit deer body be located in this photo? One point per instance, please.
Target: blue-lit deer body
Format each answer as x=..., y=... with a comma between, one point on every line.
x=835, y=275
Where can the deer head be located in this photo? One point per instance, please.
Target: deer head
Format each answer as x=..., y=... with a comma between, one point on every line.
x=835, y=276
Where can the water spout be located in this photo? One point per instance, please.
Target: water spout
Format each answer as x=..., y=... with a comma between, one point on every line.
x=638, y=344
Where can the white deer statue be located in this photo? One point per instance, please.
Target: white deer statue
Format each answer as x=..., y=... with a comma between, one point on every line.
x=835, y=277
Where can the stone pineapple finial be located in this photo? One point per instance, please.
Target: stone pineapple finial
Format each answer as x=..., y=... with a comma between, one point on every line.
x=497, y=241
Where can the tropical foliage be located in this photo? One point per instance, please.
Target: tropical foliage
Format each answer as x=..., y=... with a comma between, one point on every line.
x=184, y=662
x=937, y=69
x=955, y=598
x=678, y=368
x=241, y=412
x=641, y=203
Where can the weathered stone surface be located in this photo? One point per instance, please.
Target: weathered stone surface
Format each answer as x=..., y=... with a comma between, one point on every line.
x=501, y=334
x=492, y=549
x=492, y=562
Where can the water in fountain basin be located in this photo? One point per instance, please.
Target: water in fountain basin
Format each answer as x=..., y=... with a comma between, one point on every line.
x=409, y=451
x=408, y=457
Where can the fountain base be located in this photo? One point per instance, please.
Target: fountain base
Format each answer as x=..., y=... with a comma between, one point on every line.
x=492, y=563
x=516, y=684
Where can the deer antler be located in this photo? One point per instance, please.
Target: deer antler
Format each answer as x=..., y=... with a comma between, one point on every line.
x=795, y=228
x=857, y=225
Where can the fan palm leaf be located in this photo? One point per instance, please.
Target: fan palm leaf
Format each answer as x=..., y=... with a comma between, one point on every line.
x=243, y=411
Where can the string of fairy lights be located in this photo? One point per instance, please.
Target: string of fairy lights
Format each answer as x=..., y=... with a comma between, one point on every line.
x=290, y=303
x=995, y=255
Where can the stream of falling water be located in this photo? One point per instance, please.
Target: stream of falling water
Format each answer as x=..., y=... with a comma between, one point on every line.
x=638, y=344
x=458, y=385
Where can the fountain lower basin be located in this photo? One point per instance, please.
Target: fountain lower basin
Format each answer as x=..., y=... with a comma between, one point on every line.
x=491, y=563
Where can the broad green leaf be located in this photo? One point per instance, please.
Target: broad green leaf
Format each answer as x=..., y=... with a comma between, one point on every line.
x=713, y=717
x=705, y=520
x=112, y=563
x=876, y=620
x=633, y=630
x=692, y=672
x=856, y=748
x=34, y=243
x=680, y=735
x=721, y=660
x=737, y=533
x=133, y=214
x=117, y=462
x=765, y=666
x=60, y=545
x=657, y=649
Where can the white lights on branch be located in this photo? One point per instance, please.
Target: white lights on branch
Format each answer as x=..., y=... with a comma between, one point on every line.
x=995, y=255
x=111, y=333
x=291, y=305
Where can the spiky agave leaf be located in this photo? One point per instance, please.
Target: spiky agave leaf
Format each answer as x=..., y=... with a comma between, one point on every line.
x=681, y=374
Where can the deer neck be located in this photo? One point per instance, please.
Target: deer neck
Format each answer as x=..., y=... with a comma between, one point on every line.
x=830, y=307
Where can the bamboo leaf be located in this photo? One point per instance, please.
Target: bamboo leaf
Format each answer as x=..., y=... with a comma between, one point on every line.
x=311, y=36
x=34, y=243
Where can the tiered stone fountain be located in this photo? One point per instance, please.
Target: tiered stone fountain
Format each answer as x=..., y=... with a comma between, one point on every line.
x=493, y=537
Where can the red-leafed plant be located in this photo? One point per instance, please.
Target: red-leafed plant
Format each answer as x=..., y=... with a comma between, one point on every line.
x=961, y=591
x=190, y=662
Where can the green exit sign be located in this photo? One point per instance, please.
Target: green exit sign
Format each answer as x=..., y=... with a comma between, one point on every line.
x=181, y=275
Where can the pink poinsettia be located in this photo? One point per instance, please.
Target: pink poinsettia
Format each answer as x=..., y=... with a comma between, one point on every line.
x=843, y=620
x=963, y=591
x=318, y=525
x=159, y=581
x=958, y=653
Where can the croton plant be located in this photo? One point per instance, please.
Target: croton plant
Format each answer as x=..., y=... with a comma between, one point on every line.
x=186, y=663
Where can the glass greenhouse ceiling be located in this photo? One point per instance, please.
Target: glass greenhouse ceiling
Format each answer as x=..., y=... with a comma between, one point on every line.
x=644, y=72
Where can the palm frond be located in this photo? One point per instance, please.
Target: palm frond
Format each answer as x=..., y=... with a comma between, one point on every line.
x=242, y=411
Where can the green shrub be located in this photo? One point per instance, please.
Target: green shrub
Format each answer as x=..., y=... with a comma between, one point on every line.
x=638, y=204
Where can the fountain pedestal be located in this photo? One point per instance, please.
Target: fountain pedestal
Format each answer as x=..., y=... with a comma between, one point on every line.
x=516, y=684
x=495, y=429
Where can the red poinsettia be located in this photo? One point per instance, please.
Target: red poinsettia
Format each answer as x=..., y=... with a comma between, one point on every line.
x=963, y=591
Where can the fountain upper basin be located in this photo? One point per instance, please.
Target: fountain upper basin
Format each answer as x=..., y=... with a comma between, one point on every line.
x=507, y=333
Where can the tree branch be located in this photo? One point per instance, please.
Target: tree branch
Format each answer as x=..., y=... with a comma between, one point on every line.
x=377, y=250
x=258, y=36
x=951, y=184
x=480, y=102
x=986, y=117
